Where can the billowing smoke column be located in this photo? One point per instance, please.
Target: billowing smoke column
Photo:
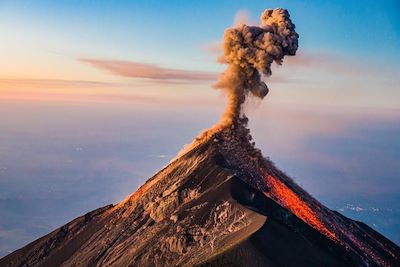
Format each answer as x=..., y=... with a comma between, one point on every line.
x=250, y=51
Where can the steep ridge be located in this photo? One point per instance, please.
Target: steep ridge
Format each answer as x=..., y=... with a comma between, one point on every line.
x=218, y=204
x=264, y=176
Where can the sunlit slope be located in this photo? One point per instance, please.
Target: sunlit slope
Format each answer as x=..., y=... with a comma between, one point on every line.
x=218, y=201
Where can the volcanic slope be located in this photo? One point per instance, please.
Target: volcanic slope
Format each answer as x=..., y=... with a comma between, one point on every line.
x=218, y=204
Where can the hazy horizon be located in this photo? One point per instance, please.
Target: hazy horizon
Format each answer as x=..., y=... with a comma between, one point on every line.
x=91, y=108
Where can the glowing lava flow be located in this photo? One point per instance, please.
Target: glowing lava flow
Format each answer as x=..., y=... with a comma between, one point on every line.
x=287, y=198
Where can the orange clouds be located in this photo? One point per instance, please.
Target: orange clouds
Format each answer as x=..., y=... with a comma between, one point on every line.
x=148, y=71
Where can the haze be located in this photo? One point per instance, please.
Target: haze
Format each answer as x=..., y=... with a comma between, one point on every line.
x=96, y=97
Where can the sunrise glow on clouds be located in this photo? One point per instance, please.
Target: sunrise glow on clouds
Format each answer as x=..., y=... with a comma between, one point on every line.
x=91, y=91
x=76, y=50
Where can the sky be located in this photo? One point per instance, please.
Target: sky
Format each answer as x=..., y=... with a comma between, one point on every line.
x=96, y=96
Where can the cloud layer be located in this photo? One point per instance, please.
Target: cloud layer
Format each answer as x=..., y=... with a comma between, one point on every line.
x=149, y=71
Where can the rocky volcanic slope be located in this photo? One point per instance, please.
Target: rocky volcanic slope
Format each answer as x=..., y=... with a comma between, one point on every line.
x=219, y=204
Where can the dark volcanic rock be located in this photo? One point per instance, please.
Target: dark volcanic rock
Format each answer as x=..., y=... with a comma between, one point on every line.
x=216, y=205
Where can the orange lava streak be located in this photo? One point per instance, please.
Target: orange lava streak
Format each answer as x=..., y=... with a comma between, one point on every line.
x=290, y=200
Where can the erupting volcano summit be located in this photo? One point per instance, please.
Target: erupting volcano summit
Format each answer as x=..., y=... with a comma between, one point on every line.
x=220, y=202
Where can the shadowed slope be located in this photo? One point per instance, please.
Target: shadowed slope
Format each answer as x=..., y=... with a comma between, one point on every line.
x=219, y=202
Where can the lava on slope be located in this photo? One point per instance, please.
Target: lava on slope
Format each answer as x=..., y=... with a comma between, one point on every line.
x=220, y=202
x=212, y=206
x=282, y=194
x=240, y=154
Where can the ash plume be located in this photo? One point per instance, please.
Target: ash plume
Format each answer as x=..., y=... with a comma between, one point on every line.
x=249, y=52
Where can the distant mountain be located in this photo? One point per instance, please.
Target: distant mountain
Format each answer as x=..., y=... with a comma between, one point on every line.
x=218, y=204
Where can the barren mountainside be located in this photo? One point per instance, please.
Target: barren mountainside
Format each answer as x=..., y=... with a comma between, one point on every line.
x=220, y=202
x=216, y=205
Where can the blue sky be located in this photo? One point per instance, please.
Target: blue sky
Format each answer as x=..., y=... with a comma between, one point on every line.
x=74, y=134
x=349, y=49
x=172, y=33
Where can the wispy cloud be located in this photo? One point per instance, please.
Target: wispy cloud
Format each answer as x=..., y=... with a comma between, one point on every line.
x=242, y=16
x=322, y=62
x=340, y=64
x=149, y=71
x=213, y=48
x=54, y=83
x=326, y=62
x=81, y=91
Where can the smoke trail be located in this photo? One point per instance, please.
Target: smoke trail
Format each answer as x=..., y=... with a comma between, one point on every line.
x=249, y=52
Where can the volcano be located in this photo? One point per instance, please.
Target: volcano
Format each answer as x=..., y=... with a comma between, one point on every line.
x=218, y=204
